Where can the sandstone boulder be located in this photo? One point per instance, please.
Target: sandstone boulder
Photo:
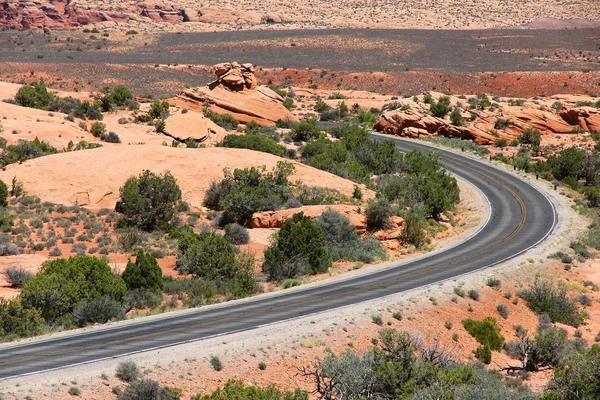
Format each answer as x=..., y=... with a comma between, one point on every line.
x=236, y=92
x=193, y=126
x=274, y=219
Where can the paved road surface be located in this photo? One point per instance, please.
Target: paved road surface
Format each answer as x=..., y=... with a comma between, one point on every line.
x=520, y=218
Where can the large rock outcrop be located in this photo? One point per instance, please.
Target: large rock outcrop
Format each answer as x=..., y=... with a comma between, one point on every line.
x=484, y=126
x=193, y=126
x=236, y=92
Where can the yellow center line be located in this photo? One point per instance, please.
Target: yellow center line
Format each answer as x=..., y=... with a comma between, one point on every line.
x=309, y=301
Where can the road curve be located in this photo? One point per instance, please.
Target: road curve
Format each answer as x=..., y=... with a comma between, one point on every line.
x=520, y=218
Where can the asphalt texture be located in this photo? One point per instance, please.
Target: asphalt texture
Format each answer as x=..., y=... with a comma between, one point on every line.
x=520, y=218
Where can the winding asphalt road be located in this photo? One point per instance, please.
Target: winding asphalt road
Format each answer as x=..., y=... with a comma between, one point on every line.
x=520, y=218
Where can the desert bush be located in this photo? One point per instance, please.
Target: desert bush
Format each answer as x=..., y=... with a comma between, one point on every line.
x=413, y=230
x=483, y=354
x=98, y=129
x=74, y=391
x=486, y=332
x=128, y=371
x=34, y=96
x=111, y=138
x=502, y=310
x=246, y=191
x=96, y=311
x=343, y=241
x=441, y=108
x=145, y=273
x=236, y=234
x=236, y=389
x=463, y=145
x=146, y=389
x=8, y=249
x=473, y=294
x=530, y=136
x=142, y=298
x=298, y=248
x=378, y=213
x=456, y=117
x=225, y=121
x=18, y=321
x=148, y=201
x=543, y=297
x=21, y=151
x=576, y=377
x=17, y=276
x=255, y=142
x=304, y=130
x=216, y=363
x=159, y=109
x=493, y=283
x=3, y=194
x=206, y=255
x=61, y=284
x=502, y=123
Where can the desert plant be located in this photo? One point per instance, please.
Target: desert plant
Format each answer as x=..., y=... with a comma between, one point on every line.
x=473, y=294
x=145, y=273
x=216, y=363
x=299, y=244
x=502, y=310
x=99, y=310
x=18, y=321
x=148, y=201
x=17, y=276
x=543, y=297
x=128, y=371
x=486, y=332
x=378, y=213
x=236, y=234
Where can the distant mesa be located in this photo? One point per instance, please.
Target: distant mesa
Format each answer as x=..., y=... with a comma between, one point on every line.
x=236, y=92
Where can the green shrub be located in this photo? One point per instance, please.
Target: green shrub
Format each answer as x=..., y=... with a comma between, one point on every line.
x=159, y=109
x=304, y=130
x=441, y=108
x=128, y=371
x=413, y=231
x=18, y=321
x=576, y=377
x=96, y=311
x=146, y=389
x=34, y=96
x=298, y=248
x=289, y=283
x=98, y=129
x=61, y=284
x=145, y=273
x=74, y=391
x=246, y=191
x=236, y=389
x=486, y=332
x=473, y=294
x=225, y=121
x=236, y=234
x=111, y=138
x=378, y=213
x=206, y=255
x=143, y=298
x=17, y=276
x=530, y=136
x=502, y=310
x=456, y=117
x=500, y=142
x=493, y=283
x=3, y=194
x=343, y=241
x=148, y=201
x=216, y=363
x=483, y=354
x=25, y=150
x=255, y=142
x=543, y=297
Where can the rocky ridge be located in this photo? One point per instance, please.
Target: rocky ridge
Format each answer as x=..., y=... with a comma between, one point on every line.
x=484, y=125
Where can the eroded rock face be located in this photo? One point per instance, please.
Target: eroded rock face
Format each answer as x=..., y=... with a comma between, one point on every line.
x=236, y=92
x=68, y=14
x=193, y=126
x=481, y=126
x=275, y=219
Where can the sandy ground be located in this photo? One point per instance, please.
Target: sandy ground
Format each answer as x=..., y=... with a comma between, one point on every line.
x=285, y=347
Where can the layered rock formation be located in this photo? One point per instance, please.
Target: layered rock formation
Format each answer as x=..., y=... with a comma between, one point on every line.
x=482, y=126
x=68, y=14
x=275, y=219
x=236, y=92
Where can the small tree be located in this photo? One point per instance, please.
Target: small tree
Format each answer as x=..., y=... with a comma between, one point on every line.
x=207, y=255
x=145, y=273
x=16, y=320
x=98, y=129
x=3, y=194
x=378, y=213
x=148, y=201
x=298, y=242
